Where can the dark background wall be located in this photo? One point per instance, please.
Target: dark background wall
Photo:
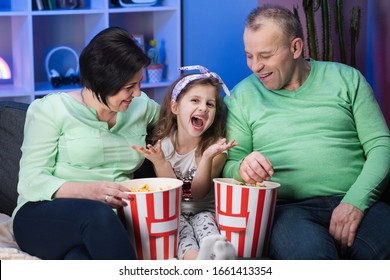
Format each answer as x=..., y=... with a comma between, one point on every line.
x=378, y=55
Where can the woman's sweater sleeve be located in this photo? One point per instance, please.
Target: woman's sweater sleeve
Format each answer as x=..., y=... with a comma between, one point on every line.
x=39, y=149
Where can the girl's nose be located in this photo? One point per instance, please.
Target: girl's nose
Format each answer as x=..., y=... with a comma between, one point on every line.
x=203, y=107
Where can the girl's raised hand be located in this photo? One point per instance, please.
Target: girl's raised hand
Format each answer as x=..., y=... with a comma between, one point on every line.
x=219, y=147
x=154, y=154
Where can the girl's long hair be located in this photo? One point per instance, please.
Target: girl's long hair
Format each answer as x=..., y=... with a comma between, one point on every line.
x=167, y=123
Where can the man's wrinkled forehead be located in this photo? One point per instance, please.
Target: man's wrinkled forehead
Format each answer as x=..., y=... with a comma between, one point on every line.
x=262, y=28
x=267, y=39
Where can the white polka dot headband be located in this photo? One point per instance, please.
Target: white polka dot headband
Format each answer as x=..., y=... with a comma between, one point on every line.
x=204, y=73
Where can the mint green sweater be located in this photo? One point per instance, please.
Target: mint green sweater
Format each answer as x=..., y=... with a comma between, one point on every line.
x=64, y=141
x=326, y=138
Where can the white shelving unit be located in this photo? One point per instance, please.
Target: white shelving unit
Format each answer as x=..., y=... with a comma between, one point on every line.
x=28, y=35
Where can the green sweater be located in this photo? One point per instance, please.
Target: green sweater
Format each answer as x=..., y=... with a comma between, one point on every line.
x=64, y=141
x=326, y=138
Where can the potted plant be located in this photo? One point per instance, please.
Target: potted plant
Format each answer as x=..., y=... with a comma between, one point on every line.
x=310, y=7
x=155, y=69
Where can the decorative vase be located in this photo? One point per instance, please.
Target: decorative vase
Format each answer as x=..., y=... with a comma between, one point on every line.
x=155, y=72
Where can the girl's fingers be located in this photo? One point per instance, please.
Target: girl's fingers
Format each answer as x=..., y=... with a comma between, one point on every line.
x=232, y=143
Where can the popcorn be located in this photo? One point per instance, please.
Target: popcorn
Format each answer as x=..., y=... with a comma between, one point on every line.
x=258, y=184
x=147, y=188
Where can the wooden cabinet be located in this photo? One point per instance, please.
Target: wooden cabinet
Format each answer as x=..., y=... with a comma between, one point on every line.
x=29, y=35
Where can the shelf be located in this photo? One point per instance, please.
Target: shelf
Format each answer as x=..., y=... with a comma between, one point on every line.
x=141, y=9
x=67, y=12
x=29, y=35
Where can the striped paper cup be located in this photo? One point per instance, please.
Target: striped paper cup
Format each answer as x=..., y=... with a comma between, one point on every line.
x=244, y=214
x=152, y=217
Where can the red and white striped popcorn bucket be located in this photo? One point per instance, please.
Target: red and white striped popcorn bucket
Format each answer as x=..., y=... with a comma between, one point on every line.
x=244, y=214
x=152, y=217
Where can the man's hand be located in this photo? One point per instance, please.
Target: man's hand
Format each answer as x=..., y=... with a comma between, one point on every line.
x=344, y=223
x=256, y=168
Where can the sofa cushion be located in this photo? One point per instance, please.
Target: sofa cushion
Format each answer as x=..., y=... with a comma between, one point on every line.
x=12, y=117
x=145, y=171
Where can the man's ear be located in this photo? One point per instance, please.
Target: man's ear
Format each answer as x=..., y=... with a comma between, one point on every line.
x=297, y=47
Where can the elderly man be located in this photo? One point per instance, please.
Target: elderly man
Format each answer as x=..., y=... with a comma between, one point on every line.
x=316, y=128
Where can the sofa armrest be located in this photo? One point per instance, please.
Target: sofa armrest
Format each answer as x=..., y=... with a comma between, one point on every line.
x=12, y=118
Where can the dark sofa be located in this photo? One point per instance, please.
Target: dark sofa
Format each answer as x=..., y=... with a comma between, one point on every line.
x=12, y=117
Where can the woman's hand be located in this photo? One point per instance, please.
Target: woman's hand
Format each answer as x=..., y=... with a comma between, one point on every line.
x=107, y=192
x=111, y=194
x=256, y=168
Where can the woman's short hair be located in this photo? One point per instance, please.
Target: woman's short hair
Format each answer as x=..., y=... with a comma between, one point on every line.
x=109, y=61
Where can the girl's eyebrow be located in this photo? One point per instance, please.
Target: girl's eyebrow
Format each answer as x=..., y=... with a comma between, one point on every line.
x=197, y=95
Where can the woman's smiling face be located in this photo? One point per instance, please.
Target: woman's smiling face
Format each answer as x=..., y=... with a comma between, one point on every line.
x=120, y=102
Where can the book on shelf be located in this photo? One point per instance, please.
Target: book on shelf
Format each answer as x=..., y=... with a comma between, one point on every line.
x=52, y=4
x=41, y=5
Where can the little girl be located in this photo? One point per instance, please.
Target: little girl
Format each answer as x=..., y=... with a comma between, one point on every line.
x=190, y=145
